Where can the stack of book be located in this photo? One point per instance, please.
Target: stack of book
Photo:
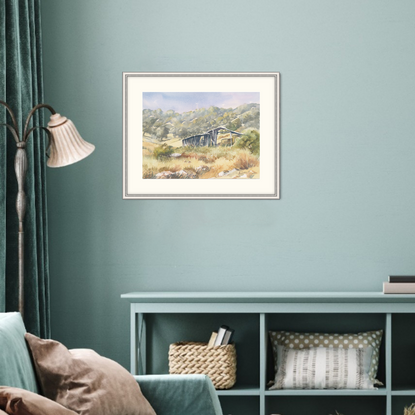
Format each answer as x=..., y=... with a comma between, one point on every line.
x=221, y=338
x=399, y=284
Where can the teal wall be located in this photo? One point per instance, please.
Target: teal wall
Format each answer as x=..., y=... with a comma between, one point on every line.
x=345, y=219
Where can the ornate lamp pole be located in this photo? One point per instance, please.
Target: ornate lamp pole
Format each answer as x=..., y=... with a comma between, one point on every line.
x=66, y=147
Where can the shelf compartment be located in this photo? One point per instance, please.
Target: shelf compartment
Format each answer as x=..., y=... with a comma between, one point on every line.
x=243, y=405
x=399, y=403
x=326, y=323
x=318, y=405
x=164, y=329
x=403, y=352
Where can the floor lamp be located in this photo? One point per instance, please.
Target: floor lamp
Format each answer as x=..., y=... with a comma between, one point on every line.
x=66, y=147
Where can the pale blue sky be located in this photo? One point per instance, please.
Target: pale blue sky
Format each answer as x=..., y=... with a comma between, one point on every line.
x=189, y=101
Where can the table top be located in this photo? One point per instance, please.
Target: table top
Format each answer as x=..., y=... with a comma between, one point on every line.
x=267, y=297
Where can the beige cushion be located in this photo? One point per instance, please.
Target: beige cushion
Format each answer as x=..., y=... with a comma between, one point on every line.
x=15, y=401
x=84, y=381
x=293, y=340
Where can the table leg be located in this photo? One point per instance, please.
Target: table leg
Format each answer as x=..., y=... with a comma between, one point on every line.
x=142, y=352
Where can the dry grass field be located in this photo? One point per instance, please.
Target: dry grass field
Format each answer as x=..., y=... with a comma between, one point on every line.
x=198, y=162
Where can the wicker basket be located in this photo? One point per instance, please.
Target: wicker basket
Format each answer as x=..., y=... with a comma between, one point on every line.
x=219, y=363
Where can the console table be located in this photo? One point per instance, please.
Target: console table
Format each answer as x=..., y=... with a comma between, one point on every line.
x=309, y=312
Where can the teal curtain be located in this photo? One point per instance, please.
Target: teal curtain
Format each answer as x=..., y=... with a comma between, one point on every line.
x=21, y=86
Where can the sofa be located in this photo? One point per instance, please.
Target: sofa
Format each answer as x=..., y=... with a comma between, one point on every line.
x=167, y=394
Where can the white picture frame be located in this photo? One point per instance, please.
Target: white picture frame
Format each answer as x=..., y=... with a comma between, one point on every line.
x=146, y=89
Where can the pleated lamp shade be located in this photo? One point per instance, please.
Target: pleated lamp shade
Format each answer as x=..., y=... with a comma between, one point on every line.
x=66, y=146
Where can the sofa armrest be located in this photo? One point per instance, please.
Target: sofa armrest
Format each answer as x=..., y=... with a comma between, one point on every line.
x=180, y=394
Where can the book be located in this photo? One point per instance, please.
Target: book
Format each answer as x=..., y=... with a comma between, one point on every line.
x=398, y=288
x=221, y=335
x=401, y=278
x=212, y=340
x=228, y=337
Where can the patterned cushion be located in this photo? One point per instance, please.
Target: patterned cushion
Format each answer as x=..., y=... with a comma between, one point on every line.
x=323, y=368
x=293, y=340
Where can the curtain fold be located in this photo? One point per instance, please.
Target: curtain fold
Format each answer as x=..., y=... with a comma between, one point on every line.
x=21, y=86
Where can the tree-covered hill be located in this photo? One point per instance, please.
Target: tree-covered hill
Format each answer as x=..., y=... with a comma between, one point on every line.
x=158, y=124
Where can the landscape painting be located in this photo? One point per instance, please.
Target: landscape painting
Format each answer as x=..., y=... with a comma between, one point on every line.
x=212, y=135
x=201, y=135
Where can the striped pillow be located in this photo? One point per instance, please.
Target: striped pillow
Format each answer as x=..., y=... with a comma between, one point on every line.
x=323, y=368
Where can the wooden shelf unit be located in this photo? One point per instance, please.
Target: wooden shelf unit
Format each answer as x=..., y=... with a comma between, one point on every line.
x=327, y=312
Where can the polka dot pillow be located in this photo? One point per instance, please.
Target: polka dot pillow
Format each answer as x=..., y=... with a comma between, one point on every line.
x=296, y=341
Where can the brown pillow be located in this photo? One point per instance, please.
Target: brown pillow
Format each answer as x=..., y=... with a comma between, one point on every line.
x=84, y=381
x=17, y=401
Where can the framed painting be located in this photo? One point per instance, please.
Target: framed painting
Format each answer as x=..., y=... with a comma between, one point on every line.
x=201, y=135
